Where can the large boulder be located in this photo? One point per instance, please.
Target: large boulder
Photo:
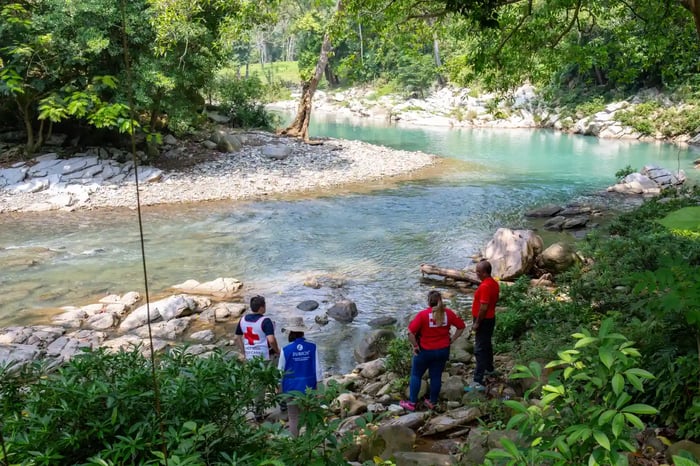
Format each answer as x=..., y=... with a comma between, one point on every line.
x=225, y=142
x=372, y=345
x=557, y=258
x=343, y=311
x=512, y=252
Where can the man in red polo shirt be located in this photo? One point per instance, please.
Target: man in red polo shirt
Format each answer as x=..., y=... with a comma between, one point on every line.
x=484, y=314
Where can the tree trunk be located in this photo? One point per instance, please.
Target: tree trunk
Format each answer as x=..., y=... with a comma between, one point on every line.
x=331, y=77
x=468, y=276
x=26, y=117
x=693, y=6
x=362, y=47
x=300, y=126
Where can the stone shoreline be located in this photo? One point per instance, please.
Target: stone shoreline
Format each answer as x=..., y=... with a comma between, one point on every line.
x=264, y=165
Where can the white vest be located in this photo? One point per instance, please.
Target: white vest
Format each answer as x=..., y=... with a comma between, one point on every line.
x=254, y=339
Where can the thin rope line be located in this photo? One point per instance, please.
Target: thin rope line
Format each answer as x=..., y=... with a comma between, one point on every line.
x=130, y=96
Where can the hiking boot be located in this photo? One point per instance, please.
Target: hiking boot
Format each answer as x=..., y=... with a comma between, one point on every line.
x=474, y=387
x=429, y=404
x=407, y=405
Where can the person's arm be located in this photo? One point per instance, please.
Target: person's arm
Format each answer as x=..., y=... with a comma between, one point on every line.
x=414, y=342
x=238, y=341
x=457, y=334
x=483, y=309
x=272, y=343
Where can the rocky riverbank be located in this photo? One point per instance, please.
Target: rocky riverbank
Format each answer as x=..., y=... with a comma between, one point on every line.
x=466, y=108
x=232, y=165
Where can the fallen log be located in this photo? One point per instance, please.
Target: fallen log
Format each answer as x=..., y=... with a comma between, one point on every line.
x=459, y=275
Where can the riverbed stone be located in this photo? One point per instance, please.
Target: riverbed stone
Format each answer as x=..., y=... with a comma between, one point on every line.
x=372, y=344
x=276, y=151
x=220, y=288
x=16, y=355
x=575, y=222
x=203, y=335
x=451, y=420
x=343, y=311
x=101, y=321
x=140, y=316
x=373, y=369
x=554, y=223
x=411, y=420
x=544, y=211
x=383, y=321
x=308, y=305
x=168, y=330
x=70, y=319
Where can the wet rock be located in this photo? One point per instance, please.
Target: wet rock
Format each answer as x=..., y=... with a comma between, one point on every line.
x=322, y=319
x=545, y=211
x=343, y=311
x=575, y=222
x=383, y=321
x=373, y=344
x=554, y=223
x=308, y=305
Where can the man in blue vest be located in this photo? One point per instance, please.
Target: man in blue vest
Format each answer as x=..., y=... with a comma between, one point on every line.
x=301, y=365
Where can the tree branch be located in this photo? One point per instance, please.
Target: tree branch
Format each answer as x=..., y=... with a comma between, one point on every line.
x=515, y=29
x=566, y=30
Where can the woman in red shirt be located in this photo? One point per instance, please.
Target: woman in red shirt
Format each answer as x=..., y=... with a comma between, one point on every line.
x=429, y=333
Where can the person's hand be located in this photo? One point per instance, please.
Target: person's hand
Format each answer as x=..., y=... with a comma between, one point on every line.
x=475, y=327
x=416, y=350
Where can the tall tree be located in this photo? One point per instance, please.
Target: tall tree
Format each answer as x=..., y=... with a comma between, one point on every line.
x=300, y=126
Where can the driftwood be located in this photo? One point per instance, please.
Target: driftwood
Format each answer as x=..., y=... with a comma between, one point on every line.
x=468, y=276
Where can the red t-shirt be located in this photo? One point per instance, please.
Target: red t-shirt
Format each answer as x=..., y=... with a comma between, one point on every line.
x=430, y=335
x=486, y=293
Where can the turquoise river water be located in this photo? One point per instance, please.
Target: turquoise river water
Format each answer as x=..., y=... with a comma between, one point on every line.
x=374, y=240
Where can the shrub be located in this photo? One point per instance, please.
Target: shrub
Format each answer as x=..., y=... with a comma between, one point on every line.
x=241, y=99
x=100, y=409
x=399, y=357
x=587, y=414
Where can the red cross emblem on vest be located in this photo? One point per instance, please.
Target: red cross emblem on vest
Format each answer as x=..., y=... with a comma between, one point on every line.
x=250, y=336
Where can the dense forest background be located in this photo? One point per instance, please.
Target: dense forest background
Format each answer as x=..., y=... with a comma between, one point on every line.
x=90, y=63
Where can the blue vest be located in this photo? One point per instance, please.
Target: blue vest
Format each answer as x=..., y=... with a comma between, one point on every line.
x=300, y=366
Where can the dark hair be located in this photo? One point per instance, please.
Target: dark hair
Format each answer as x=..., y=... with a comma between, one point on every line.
x=485, y=266
x=294, y=335
x=256, y=302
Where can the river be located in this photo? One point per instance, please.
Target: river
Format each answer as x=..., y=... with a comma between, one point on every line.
x=373, y=240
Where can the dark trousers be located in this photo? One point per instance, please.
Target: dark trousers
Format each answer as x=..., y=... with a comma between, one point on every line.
x=434, y=361
x=483, y=349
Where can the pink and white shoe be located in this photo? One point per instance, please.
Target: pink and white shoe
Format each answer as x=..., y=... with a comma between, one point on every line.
x=407, y=405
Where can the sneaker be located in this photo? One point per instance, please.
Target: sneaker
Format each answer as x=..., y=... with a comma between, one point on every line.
x=407, y=405
x=429, y=404
x=474, y=387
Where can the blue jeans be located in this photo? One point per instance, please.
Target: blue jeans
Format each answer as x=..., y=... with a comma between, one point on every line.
x=483, y=349
x=434, y=361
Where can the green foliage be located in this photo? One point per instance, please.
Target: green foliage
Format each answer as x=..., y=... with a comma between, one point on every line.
x=100, y=409
x=241, y=99
x=593, y=106
x=623, y=172
x=399, y=357
x=535, y=323
x=641, y=117
x=587, y=413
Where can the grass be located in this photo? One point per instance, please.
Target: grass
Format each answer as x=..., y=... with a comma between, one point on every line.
x=686, y=219
x=280, y=71
x=286, y=71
